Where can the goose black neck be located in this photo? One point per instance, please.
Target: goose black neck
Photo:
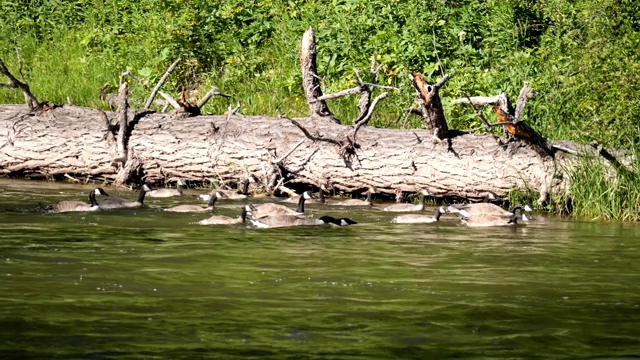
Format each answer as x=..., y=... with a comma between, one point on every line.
x=243, y=214
x=300, y=207
x=515, y=208
x=245, y=187
x=513, y=219
x=438, y=214
x=141, y=195
x=92, y=198
x=422, y=201
x=212, y=200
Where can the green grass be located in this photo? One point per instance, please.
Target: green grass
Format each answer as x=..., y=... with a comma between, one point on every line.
x=598, y=191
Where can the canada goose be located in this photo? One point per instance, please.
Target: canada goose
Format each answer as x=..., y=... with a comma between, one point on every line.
x=232, y=195
x=163, y=193
x=358, y=202
x=120, y=203
x=486, y=220
x=72, y=206
x=270, y=209
x=198, y=208
x=292, y=220
x=225, y=220
x=419, y=218
x=486, y=209
x=409, y=207
x=320, y=199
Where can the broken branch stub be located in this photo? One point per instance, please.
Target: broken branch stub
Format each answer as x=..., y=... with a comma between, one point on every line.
x=310, y=79
x=430, y=105
x=526, y=93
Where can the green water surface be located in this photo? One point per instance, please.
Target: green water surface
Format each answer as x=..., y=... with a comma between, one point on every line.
x=146, y=284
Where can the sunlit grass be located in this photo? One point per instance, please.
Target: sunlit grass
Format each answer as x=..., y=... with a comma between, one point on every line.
x=598, y=191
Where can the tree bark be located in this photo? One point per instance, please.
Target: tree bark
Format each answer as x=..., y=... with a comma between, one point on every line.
x=76, y=141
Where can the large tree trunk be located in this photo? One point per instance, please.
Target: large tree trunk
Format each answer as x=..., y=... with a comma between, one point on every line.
x=76, y=141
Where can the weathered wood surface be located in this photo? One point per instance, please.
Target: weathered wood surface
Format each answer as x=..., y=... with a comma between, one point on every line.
x=75, y=141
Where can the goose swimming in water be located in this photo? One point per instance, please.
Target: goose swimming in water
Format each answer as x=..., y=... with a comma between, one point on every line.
x=409, y=207
x=231, y=195
x=197, y=208
x=164, y=193
x=76, y=206
x=226, y=220
x=292, y=220
x=270, y=209
x=120, y=203
x=488, y=220
x=486, y=209
x=358, y=202
x=419, y=218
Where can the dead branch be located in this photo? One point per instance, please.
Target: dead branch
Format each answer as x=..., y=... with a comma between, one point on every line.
x=367, y=90
x=501, y=101
x=208, y=96
x=122, y=116
x=526, y=93
x=365, y=119
x=430, y=105
x=129, y=74
x=564, y=149
x=170, y=100
x=477, y=100
x=161, y=82
x=293, y=148
x=317, y=137
x=232, y=111
x=477, y=113
x=339, y=94
x=310, y=80
x=31, y=101
x=617, y=165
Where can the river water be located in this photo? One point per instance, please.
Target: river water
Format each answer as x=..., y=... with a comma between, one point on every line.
x=146, y=284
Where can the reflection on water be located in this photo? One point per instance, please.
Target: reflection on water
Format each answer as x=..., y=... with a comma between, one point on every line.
x=148, y=284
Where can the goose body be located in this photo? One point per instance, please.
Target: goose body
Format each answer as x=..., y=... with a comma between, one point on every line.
x=358, y=202
x=409, y=207
x=486, y=209
x=197, y=208
x=292, y=220
x=419, y=218
x=484, y=220
x=164, y=193
x=226, y=220
x=77, y=206
x=120, y=203
x=271, y=209
x=232, y=195
x=295, y=199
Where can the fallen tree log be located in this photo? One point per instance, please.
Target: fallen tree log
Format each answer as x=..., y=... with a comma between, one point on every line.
x=76, y=141
x=129, y=146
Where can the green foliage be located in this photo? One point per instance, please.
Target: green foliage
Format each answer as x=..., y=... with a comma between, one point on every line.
x=598, y=191
x=581, y=56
